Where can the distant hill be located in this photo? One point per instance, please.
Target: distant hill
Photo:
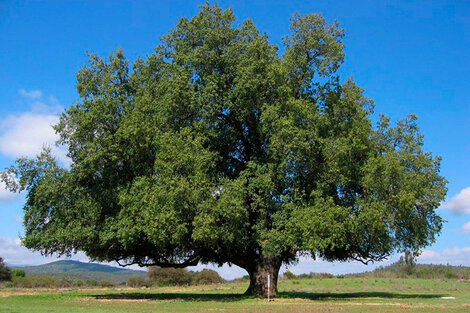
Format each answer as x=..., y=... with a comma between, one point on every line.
x=81, y=270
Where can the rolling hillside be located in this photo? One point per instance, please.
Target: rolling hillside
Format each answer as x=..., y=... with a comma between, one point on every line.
x=81, y=270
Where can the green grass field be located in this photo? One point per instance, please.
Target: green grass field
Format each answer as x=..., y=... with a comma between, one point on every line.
x=304, y=295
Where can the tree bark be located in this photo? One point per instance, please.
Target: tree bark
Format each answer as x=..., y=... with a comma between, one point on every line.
x=259, y=272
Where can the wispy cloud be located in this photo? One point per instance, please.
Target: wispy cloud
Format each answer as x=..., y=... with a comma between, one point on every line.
x=5, y=194
x=460, y=203
x=427, y=255
x=32, y=94
x=453, y=256
x=26, y=133
x=14, y=253
x=466, y=228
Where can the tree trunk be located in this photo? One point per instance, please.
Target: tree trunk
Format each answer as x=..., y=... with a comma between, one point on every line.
x=259, y=272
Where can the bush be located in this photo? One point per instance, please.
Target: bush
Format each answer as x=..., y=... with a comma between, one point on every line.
x=169, y=276
x=37, y=282
x=18, y=272
x=424, y=271
x=45, y=282
x=137, y=282
x=451, y=275
x=53, y=282
x=206, y=277
x=106, y=283
x=178, y=277
x=315, y=276
x=289, y=275
x=5, y=272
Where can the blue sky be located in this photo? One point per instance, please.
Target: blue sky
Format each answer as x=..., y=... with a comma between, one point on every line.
x=410, y=56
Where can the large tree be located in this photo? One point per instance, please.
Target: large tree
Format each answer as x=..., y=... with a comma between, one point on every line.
x=218, y=148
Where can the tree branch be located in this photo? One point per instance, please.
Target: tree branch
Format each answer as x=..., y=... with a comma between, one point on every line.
x=193, y=261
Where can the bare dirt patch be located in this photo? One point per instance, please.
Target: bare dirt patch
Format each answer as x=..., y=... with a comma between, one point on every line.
x=112, y=300
x=18, y=293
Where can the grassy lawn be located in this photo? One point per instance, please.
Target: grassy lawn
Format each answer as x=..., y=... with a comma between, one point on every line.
x=308, y=295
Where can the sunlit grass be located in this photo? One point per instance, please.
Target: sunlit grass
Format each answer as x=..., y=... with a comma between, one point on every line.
x=307, y=295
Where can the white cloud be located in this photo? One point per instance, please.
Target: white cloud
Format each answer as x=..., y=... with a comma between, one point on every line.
x=453, y=256
x=25, y=134
x=460, y=203
x=15, y=254
x=466, y=228
x=427, y=255
x=32, y=94
x=53, y=100
x=5, y=194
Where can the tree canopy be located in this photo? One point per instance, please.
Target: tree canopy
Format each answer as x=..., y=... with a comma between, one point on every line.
x=5, y=271
x=220, y=147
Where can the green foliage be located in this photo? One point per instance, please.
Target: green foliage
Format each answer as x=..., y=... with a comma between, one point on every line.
x=206, y=277
x=45, y=282
x=137, y=282
x=5, y=272
x=17, y=272
x=169, y=276
x=317, y=276
x=181, y=277
x=54, y=282
x=289, y=275
x=408, y=262
x=106, y=284
x=216, y=148
x=421, y=271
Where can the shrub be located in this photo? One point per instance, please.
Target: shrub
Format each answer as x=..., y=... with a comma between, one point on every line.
x=106, y=283
x=424, y=271
x=451, y=275
x=54, y=282
x=5, y=272
x=137, y=282
x=289, y=275
x=169, y=276
x=206, y=277
x=315, y=275
x=178, y=277
x=91, y=282
x=18, y=272
x=37, y=282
